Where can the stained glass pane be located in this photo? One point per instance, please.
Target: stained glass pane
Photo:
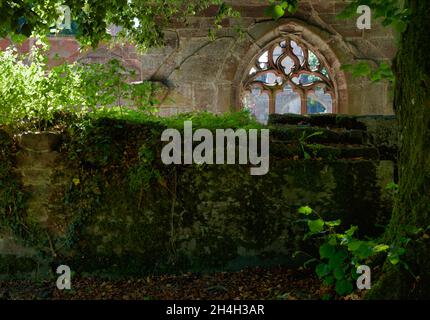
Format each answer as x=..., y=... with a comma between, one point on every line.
x=306, y=79
x=276, y=53
x=269, y=79
x=288, y=79
x=258, y=103
x=288, y=101
x=314, y=63
x=264, y=57
x=298, y=52
x=288, y=65
x=319, y=102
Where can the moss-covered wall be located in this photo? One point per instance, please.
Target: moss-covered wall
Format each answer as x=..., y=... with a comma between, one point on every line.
x=110, y=205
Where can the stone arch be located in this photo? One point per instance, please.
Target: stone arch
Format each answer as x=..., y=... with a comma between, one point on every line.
x=331, y=48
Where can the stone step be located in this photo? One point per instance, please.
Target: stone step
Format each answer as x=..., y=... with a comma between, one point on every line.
x=318, y=120
x=38, y=213
x=35, y=176
x=9, y=245
x=318, y=135
x=330, y=120
x=39, y=192
x=39, y=141
x=290, y=150
x=31, y=159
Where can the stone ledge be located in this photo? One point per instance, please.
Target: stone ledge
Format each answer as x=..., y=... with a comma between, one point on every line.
x=317, y=135
x=324, y=152
x=30, y=159
x=34, y=177
x=39, y=141
x=379, y=131
x=318, y=120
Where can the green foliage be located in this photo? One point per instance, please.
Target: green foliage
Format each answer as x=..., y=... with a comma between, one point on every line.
x=225, y=11
x=383, y=72
x=28, y=91
x=142, y=21
x=120, y=186
x=308, y=153
x=278, y=9
x=240, y=119
x=143, y=174
x=33, y=93
x=203, y=119
x=363, y=69
x=341, y=252
x=392, y=189
x=391, y=12
x=24, y=17
x=110, y=85
x=12, y=196
x=120, y=203
x=305, y=210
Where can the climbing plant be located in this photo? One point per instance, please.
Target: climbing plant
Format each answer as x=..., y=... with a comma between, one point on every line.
x=341, y=252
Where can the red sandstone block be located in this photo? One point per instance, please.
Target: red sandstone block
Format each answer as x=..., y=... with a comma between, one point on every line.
x=348, y=30
x=331, y=18
x=22, y=48
x=4, y=43
x=324, y=6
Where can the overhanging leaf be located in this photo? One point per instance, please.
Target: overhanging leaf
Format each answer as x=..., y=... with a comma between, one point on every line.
x=327, y=251
x=316, y=226
x=381, y=248
x=334, y=223
x=305, y=210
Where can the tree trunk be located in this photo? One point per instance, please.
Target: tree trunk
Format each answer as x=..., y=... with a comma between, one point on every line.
x=412, y=208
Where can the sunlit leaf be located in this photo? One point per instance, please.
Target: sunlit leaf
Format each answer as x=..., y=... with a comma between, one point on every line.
x=316, y=226
x=305, y=210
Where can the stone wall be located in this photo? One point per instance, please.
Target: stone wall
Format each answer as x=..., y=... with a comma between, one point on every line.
x=205, y=75
x=89, y=197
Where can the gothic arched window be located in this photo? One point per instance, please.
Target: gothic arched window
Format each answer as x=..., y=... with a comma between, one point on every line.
x=288, y=77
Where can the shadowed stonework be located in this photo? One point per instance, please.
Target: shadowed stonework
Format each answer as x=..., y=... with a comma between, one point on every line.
x=85, y=197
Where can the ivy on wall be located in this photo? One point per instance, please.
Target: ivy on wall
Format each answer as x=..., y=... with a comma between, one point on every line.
x=12, y=193
x=120, y=210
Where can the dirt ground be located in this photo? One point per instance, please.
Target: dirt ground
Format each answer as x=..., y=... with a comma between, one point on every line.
x=257, y=283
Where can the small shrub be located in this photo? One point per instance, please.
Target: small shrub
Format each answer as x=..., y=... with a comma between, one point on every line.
x=32, y=94
x=342, y=252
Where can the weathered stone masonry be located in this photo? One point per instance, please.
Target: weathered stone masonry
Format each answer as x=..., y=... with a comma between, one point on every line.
x=211, y=219
x=205, y=75
x=217, y=230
